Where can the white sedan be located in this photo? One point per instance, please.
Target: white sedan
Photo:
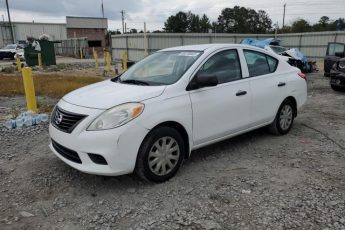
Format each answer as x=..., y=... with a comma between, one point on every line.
x=149, y=119
x=11, y=51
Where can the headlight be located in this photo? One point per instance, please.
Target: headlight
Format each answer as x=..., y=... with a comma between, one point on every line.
x=116, y=116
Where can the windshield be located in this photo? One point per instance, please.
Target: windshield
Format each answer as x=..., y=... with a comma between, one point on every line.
x=10, y=47
x=161, y=68
x=278, y=49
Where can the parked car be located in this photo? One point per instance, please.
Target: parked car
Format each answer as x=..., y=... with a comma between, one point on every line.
x=337, y=75
x=11, y=50
x=335, y=51
x=149, y=119
x=293, y=55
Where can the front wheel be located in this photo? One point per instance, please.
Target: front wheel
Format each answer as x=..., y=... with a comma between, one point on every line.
x=336, y=88
x=284, y=119
x=160, y=155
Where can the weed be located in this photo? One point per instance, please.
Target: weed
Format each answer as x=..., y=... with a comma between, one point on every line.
x=52, y=85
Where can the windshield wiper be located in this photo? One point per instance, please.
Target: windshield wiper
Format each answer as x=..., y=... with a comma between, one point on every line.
x=135, y=82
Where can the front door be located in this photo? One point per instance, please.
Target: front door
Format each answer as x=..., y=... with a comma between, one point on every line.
x=223, y=109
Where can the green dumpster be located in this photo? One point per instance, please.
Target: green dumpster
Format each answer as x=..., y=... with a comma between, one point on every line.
x=31, y=56
x=48, y=52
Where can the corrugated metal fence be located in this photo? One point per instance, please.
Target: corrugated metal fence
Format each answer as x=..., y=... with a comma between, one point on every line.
x=314, y=44
x=71, y=47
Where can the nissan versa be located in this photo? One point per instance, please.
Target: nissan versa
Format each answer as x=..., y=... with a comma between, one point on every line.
x=149, y=119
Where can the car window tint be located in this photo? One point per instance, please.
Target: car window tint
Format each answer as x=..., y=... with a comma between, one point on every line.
x=225, y=65
x=272, y=63
x=335, y=48
x=258, y=64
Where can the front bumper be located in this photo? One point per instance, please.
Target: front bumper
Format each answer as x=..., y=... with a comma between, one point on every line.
x=119, y=146
x=337, y=78
x=7, y=54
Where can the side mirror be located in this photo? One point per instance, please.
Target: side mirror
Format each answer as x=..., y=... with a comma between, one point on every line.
x=339, y=54
x=202, y=81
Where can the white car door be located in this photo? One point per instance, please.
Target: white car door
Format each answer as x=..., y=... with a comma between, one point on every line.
x=267, y=87
x=223, y=109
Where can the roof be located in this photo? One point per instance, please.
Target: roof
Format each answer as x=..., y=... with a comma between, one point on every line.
x=204, y=47
x=86, y=22
x=216, y=46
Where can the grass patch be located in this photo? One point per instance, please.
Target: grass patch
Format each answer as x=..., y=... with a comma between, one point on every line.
x=51, y=85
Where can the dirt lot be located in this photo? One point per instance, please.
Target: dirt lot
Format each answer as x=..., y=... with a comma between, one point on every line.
x=254, y=181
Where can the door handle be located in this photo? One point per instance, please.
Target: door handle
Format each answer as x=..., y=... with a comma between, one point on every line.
x=280, y=84
x=241, y=92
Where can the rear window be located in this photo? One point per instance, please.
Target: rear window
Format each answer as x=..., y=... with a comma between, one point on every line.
x=335, y=48
x=259, y=63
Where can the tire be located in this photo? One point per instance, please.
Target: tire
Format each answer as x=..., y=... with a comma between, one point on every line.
x=284, y=118
x=151, y=162
x=336, y=88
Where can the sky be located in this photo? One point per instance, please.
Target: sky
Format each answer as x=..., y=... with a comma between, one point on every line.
x=155, y=12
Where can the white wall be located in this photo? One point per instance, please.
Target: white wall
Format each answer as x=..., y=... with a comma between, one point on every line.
x=313, y=45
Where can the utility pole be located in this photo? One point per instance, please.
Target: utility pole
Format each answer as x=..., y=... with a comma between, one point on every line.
x=123, y=21
x=284, y=16
x=102, y=9
x=9, y=21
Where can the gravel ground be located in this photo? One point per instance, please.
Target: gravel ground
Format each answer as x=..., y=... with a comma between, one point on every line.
x=254, y=181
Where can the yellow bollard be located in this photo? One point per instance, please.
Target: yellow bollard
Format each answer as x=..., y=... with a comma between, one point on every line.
x=81, y=53
x=39, y=60
x=29, y=88
x=95, y=56
x=19, y=64
x=124, y=60
x=108, y=60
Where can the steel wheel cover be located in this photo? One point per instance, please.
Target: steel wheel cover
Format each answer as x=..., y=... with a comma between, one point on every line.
x=163, y=156
x=285, y=117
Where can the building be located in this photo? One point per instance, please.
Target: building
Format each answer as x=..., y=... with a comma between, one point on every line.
x=22, y=30
x=94, y=29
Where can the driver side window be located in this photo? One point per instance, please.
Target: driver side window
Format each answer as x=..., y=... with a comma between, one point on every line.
x=225, y=65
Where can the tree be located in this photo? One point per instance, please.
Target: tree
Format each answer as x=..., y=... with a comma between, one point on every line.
x=133, y=31
x=187, y=22
x=205, y=24
x=300, y=26
x=324, y=20
x=243, y=20
x=177, y=23
x=193, y=23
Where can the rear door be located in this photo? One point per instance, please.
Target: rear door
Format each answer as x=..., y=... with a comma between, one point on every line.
x=330, y=57
x=268, y=89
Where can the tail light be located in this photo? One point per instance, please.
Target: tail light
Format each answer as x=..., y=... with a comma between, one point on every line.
x=302, y=75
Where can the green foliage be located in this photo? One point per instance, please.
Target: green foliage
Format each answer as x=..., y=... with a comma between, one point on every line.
x=177, y=23
x=187, y=22
x=243, y=20
x=301, y=25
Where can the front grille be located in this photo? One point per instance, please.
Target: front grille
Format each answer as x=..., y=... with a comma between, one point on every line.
x=97, y=159
x=65, y=121
x=66, y=153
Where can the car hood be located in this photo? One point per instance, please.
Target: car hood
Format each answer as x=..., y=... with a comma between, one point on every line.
x=107, y=94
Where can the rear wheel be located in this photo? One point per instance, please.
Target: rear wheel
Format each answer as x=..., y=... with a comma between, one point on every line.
x=284, y=118
x=160, y=155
